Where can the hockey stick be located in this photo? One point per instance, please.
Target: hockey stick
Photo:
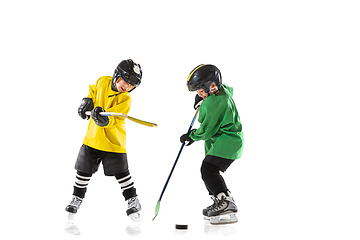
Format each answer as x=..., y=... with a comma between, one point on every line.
x=149, y=124
x=157, y=208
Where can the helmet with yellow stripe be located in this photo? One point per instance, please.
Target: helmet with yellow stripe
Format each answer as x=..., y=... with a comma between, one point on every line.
x=202, y=76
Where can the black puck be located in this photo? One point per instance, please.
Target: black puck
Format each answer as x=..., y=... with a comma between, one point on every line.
x=181, y=227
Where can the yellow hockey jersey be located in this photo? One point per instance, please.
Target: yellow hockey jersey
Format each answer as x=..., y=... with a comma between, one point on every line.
x=111, y=138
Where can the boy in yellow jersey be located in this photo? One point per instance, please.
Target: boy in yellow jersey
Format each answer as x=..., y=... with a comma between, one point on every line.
x=105, y=139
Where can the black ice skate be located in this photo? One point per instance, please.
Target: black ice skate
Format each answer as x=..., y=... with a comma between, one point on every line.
x=206, y=210
x=134, y=209
x=224, y=211
x=74, y=205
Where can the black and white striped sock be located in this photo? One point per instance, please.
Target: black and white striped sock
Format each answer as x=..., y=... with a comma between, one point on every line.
x=81, y=183
x=127, y=185
x=126, y=182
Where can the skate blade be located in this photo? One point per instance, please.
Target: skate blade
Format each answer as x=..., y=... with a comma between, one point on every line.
x=135, y=217
x=224, y=219
x=206, y=218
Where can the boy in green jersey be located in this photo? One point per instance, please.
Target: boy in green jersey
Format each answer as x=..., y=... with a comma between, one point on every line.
x=221, y=129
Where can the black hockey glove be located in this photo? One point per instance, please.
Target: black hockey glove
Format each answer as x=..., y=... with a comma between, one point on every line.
x=187, y=139
x=101, y=121
x=86, y=105
x=198, y=101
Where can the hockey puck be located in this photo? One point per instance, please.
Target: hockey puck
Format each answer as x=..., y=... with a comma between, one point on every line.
x=181, y=227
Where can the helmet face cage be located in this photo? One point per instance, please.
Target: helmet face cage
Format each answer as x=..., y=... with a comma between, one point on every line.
x=131, y=79
x=129, y=71
x=196, y=86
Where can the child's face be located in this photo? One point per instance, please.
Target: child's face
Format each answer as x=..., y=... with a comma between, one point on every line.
x=213, y=89
x=123, y=86
x=202, y=93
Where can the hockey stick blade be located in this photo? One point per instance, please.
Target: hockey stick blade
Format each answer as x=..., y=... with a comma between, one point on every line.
x=149, y=124
x=157, y=208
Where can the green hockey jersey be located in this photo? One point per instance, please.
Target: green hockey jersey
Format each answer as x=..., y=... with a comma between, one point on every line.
x=220, y=125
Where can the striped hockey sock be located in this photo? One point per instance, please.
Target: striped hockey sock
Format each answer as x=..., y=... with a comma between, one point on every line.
x=127, y=185
x=81, y=183
x=126, y=182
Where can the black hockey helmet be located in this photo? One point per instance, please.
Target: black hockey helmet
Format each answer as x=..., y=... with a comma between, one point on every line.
x=129, y=71
x=202, y=76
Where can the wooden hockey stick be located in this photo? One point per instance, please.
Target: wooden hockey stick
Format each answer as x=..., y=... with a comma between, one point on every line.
x=115, y=114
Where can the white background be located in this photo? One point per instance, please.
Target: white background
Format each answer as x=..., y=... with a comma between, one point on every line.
x=294, y=66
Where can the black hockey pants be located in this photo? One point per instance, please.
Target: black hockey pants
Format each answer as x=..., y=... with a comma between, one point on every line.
x=210, y=173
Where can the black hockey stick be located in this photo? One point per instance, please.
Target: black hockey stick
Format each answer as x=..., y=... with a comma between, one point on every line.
x=157, y=208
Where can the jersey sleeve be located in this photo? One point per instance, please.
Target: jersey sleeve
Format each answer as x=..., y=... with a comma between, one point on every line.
x=210, y=123
x=93, y=91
